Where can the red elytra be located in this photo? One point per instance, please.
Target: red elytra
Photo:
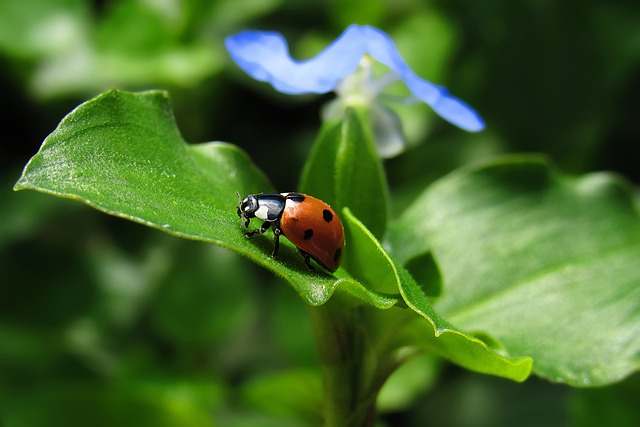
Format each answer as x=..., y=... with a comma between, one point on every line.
x=315, y=228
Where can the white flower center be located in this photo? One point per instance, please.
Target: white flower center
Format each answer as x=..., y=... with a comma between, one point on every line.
x=362, y=87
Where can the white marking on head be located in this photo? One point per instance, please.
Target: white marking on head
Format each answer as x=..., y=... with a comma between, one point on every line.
x=262, y=212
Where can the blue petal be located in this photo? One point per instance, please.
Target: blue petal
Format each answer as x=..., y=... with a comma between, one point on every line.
x=380, y=46
x=265, y=56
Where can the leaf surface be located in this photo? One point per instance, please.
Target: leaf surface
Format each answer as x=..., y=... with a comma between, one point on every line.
x=415, y=324
x=344, y=170
x=545, y=263
x=122, y=153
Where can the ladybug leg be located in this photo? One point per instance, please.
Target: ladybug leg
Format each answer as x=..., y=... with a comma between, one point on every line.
x=307, y=259
x=261, y=230
x=277, y=231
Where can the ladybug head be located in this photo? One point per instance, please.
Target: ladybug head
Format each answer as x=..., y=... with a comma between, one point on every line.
x=247, y=207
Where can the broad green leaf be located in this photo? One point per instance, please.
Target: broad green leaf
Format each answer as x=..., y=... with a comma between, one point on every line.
x=545, y=263
x=123, y=154
x=416, y=325
x=344, y=170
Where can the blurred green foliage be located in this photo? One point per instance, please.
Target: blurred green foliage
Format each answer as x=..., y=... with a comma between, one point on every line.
x=105, y=322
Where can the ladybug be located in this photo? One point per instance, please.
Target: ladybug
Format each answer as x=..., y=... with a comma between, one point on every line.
x=308, y=222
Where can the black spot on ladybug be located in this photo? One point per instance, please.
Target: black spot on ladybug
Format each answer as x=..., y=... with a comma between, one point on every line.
x=308, y=233
x=336, y=254
x=327, y=215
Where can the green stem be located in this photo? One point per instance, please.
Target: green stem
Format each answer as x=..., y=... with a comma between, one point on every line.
x=350, y=367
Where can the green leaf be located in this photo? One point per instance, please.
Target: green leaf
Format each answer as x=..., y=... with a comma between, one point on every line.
x=123, y=154
x=545, y=263
x=365, y=258
x=409, y=382
x=344, y=170
x=416, y=325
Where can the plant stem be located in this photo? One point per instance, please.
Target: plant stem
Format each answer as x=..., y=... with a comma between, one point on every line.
x=349, y=365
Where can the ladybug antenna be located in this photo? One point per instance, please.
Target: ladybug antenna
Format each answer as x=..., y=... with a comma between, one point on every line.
x=239, y=197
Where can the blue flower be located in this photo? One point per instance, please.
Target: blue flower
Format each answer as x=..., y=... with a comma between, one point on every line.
x=343, y=67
